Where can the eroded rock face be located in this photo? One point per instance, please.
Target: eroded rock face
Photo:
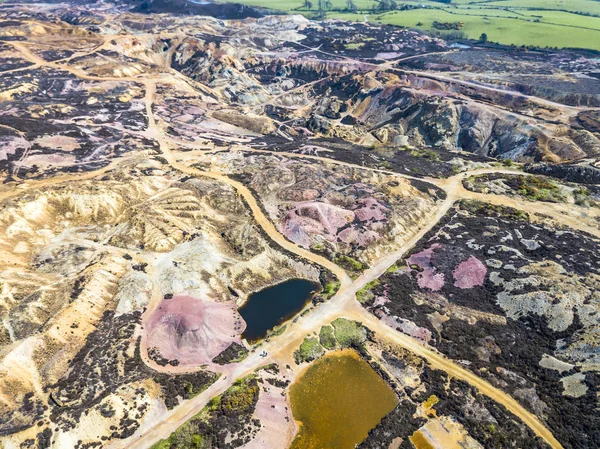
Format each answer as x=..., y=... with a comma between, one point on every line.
x=333, y=209
x=583, y=174
x=134, y=292
x=433, y=118
x=257, y=124
x=98, y=223
x=86, y=258
x=315, y=218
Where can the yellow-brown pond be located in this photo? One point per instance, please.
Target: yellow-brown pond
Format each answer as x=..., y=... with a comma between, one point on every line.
x=337, y=400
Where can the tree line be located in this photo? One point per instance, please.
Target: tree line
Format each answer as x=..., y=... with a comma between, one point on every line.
x=323, y=6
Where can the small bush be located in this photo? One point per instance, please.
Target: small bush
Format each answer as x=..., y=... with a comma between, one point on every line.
x=330, y=289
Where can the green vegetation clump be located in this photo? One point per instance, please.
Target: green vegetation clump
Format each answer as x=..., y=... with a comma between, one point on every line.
x=184, y=438
x=365, y=294
x=582, y=191
x=342, y=333
x=309, y=350
x=317, y=247
x=530, y=187
x=348, y=263
x=234, y=353
x=447, y=26
x=355, y=45
x=536, y=188
x=225, y=416
x=327, y=338
x=393, y=269
x=423, y=154
x=162, y=444
x=240, y=397
x=185, y=386
x=583, y=197
x=349, y=333
x=330, y=289
x=491, y=210
x=278, y=331
x=272, y=368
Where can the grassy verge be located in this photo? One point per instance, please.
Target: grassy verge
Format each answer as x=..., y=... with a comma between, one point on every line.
x=540, y=23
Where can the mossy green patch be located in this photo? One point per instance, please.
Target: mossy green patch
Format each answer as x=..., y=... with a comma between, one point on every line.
x=349, y=264
x=355, y=45
x=162, y=444
x=530, y=187
x=536, y=188
x=349, y=333
x=327, y=338
x=278, y=331
x=424, y=154
x=365, y=294
x=491, y=210
x=309, y=350
x=330, y=289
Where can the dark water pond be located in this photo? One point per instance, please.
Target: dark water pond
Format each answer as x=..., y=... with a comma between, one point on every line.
x=274, y=305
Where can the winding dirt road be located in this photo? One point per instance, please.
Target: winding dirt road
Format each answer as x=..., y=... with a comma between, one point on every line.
x=342, y=304
x=564, y=214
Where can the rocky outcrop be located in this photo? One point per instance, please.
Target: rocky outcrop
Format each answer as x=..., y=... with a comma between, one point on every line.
x=251, y=122
x=220, y=10
x=582, y=174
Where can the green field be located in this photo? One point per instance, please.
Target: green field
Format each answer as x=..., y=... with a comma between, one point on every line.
x=543, y=23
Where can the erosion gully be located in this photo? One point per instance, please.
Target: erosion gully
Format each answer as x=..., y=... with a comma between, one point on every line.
x=342, y=304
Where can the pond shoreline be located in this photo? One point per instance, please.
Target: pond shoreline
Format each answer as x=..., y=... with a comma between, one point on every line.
x=342, y=387
x=275, y=305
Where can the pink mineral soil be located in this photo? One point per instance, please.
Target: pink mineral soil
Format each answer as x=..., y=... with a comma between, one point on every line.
x=428, y=278
x=312, y=218
x=469, y=273
x=352, y=235
x=371, y=209
x=277, y=427
x=405, y=326
x=192, y=330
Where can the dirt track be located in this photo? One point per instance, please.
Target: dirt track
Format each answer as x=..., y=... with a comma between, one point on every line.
x=342, y=304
